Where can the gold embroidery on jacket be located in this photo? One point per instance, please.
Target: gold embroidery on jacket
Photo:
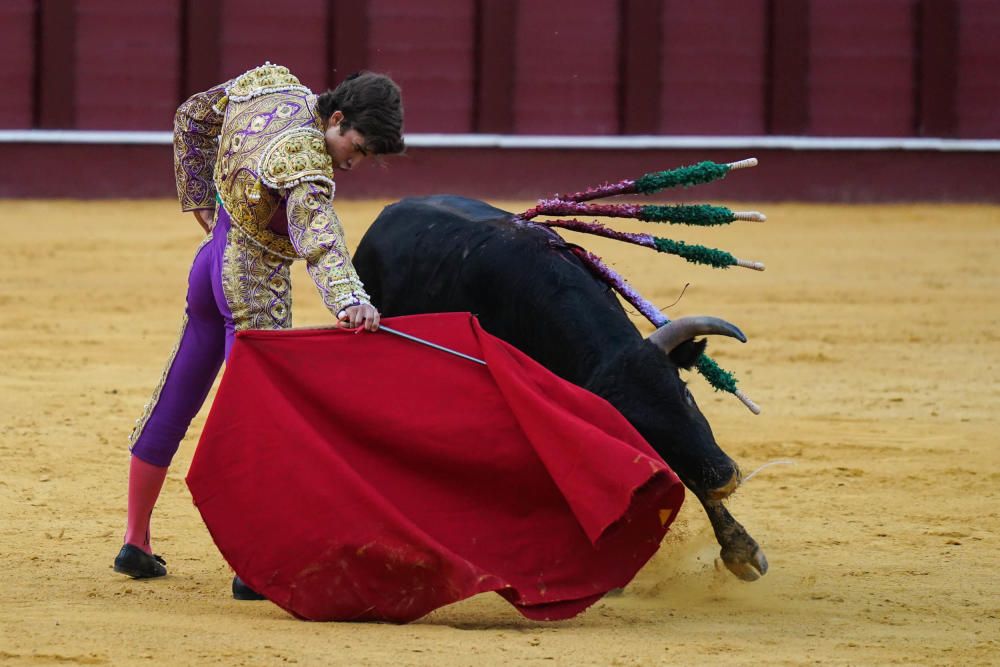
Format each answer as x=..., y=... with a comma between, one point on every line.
x=271, y=145
x=294, y=157
x=252, y=126
x=196, y=125
x=256, y=284
x=262, y=80
x=318, y=236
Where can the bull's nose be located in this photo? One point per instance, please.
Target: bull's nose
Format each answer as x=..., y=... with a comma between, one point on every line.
x=726, y=488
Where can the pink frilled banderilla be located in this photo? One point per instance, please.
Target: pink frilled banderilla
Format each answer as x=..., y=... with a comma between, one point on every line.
x=575, y=204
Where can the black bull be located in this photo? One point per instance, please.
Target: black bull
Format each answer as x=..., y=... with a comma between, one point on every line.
x=446, y=253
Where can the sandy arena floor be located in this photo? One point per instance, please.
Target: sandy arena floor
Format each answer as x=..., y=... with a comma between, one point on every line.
x=874, y=351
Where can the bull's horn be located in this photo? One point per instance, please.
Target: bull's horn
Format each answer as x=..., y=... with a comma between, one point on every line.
x=676, y=332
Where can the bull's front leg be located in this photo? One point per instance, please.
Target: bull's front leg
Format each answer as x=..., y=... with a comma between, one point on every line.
x=740, y=552
x=713, y=480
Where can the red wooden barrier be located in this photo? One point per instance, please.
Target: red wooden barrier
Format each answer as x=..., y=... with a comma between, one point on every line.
x=822, y=67
x=978, y=94
x=55, y=74
x=641, y=65
x=428, y=49
x=201, y=47
x=127, y=64
x=861, y=74
x=937, y=67
x=53, y=170
x=292, y=34
x=17, y=63
x=496, y=29
x=787, y=100
x=566, y=63
x=348, y=29
x=714, y=67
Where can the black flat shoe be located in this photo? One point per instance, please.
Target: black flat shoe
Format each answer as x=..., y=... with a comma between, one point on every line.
x=138, y=564
x=243, y=592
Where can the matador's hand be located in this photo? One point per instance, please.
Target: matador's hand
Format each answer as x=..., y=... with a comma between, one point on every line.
x=204, y=217
x=355, y=316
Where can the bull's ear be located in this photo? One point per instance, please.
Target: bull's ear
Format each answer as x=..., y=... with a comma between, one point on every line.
x=686, y=354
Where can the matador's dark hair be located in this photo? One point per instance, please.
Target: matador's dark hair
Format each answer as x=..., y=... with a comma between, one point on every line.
x=372, y=104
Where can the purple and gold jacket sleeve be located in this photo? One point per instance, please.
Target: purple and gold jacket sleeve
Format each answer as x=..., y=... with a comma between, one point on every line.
x=318, y=237
x=196, y=126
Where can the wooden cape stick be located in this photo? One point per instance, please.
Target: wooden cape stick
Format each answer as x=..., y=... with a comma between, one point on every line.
x=422, y=341
x=401, y=334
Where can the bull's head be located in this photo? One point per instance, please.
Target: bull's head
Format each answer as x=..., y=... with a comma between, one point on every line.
x=716, y=475
x=657, y=402
x=654, y=398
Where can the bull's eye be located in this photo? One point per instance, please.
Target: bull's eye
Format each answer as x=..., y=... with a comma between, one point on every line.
x=688, y=398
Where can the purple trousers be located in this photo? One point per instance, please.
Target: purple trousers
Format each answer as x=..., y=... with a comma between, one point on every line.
x=206, y=338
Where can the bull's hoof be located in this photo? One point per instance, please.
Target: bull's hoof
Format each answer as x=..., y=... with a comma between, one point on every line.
x=726, y=490
x=748, y=566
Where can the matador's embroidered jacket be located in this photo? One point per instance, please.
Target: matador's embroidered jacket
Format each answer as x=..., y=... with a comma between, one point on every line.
x=255, y=143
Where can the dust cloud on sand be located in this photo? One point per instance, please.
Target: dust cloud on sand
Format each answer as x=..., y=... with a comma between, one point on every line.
x=874, y=351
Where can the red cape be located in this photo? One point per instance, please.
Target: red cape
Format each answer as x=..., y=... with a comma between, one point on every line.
x=360, y=476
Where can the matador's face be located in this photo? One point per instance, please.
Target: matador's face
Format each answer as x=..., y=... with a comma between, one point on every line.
x=346, y=148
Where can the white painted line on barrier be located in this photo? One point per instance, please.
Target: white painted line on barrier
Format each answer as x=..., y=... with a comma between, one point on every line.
x=540, y=142
x=84, y=137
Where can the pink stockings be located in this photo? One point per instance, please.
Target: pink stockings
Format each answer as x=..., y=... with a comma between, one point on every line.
x=144, y=483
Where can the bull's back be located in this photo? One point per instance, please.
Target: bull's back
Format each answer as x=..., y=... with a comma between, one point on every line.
x=446, y=253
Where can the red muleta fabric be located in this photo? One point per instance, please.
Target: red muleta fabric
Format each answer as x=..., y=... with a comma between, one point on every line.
x=361, y=476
